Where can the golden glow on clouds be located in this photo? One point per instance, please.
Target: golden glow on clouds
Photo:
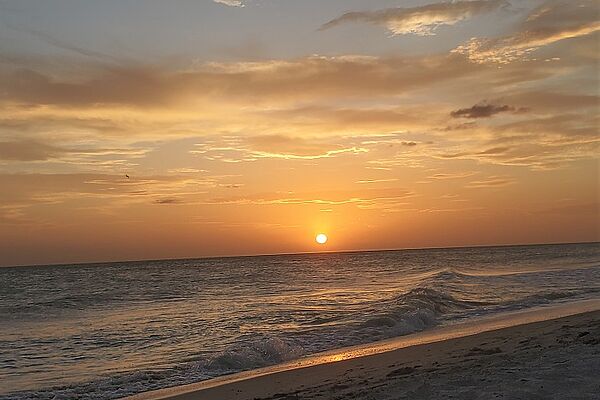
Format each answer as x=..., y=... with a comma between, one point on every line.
x=254, y=156
x=421, y=20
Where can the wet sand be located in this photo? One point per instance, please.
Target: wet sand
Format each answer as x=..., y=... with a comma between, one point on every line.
x=507, y=357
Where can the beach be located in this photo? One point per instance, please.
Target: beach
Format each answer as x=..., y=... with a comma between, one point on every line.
x=171, y=327
x=555, y=357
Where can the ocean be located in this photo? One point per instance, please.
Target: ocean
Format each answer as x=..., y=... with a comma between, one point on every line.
x=104, y=331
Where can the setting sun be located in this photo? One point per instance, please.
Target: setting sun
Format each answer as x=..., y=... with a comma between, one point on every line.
x=167, y=178
x=321, y=238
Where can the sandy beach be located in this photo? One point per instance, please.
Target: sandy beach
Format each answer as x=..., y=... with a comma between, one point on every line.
x=555, y=357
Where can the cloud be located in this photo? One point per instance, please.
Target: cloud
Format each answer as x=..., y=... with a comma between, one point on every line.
x=240, y=149
x=231, y=3
x=421, y=20
x=289, y=148
x=46, y=188
x=390, y=112
x=456, y=175
x=548, y=24
x=34, y=150
x=368, y=181
x=255, y=84
x=40, y=198
x=285, y=145
x=567, y=127
x=53, y=41
x=540, y=143
x=372, y=124
x=484, y=110
x=113, y=86
x=326, y=154
x=368, y=198
x=29, y=150
x=551, y=102
x=491, y=182
x=305, y=78
x=168, y=200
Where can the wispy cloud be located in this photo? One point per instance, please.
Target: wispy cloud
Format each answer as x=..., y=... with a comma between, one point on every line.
x=240, y=149
x=231, y=3
x=550, y=23
x=304, y=78
x=326, y=154
x=168, y=200
x=456, y=175
x=367, y=198
x=421, y=20
x=36, y=150
x=491, y=182
x=368, y=181
x=29, y=150
x=65, y=45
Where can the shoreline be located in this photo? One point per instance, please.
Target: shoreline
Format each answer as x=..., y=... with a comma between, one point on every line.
x=303, y=374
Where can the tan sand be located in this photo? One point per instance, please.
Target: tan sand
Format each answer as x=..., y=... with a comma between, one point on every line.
x=508, y=357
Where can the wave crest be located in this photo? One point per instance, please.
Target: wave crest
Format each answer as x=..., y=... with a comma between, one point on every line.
x=255, y=354
x=416, y=310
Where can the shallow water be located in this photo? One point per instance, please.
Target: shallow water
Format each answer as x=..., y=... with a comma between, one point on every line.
x=108, y=330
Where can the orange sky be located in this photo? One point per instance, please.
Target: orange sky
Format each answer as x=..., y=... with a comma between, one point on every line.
x=242, y=132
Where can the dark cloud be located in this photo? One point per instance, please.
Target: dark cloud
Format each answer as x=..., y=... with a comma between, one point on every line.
x=169, y=200
x=485, y=111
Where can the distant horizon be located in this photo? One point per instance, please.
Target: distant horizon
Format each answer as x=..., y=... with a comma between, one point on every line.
x=299, y=253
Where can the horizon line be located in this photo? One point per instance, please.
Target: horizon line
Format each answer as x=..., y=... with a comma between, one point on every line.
x=298, y=253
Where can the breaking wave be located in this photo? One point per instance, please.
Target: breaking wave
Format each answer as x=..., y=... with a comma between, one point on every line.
x=276, y=313
x=414, y=311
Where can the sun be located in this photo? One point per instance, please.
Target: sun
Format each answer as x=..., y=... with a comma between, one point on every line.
x=321, y=238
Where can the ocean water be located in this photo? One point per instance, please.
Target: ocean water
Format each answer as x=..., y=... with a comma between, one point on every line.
x=109, y=330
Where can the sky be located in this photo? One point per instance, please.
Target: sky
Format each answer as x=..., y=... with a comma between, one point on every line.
x=146, y=129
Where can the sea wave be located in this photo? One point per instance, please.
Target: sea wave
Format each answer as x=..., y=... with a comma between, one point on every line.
x=261, y=351
x=168, y=326
x=257, y=353
x=413, y=311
